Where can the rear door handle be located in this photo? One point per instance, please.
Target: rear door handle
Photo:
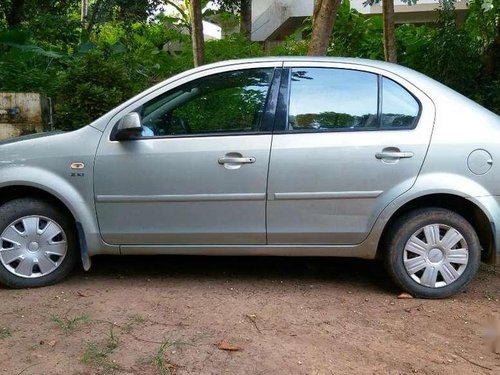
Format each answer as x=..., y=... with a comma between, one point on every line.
x=394, y=155
x=236, y=160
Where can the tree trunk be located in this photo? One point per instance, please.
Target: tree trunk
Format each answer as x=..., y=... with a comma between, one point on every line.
x=14, y=16
x=83, y=13
x=389, y=37
x=325, y=12
x=197, y=33
x=93, y=17
x=246, y=18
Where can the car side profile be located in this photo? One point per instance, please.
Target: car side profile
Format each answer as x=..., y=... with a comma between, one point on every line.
x=272, y=156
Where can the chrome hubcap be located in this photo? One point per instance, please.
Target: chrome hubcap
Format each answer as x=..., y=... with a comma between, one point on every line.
x=32, y=246
x=436, y=255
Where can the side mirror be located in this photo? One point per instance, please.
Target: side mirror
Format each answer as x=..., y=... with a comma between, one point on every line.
x=129, y=127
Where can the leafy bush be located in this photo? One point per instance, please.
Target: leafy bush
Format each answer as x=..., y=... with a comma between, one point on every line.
x=87, y=75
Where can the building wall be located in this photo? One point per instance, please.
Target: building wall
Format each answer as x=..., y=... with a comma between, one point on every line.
x=274, y=19
x=21, y=113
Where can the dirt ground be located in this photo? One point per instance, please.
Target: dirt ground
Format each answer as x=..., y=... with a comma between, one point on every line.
x=200, y=315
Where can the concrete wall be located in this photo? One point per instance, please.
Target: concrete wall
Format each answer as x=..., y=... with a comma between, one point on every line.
x=275, y=19
x=21, y=113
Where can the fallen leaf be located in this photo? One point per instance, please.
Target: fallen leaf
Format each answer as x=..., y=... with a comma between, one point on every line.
x=224, y=345
x=405, y=296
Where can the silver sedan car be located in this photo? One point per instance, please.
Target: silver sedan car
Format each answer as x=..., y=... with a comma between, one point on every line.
x=272, y=156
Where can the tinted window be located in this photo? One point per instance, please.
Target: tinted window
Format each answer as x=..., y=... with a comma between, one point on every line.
x=328, y=99
x=399, y=108
x=220, y=103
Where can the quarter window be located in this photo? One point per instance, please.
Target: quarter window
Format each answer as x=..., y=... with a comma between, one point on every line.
x=228, y=102
x=399, y=108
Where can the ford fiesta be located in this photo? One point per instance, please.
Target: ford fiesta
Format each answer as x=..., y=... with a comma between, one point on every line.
x=274, y=156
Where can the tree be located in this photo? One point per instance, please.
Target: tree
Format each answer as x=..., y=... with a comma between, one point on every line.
x=13, y=11
x=197, y=33
x=244, y=8
x=325, y=12
x=389, y=37
x=389, y=26
x=246, y=18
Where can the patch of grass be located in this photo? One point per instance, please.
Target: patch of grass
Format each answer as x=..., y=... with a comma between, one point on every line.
x=69, y=325
x=5, y=332
x=96, y=355
x=111, y=342
x=490, y=296
x=133, y=320
x=137, y=318
x=158, y=360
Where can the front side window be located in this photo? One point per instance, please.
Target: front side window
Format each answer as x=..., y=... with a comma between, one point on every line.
x=329, y=99
x=221, y=103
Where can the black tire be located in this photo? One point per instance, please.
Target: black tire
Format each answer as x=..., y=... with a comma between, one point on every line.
x=19, y=208
x=409, y=224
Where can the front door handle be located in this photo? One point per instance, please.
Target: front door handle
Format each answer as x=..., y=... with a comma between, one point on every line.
x=236, y=160
x=394, y=154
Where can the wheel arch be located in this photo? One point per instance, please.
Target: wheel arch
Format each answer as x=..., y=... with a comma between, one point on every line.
x=461, y=205
x=9, y=193
x=80, y=223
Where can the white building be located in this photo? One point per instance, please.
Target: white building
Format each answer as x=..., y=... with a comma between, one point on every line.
x=273, y=20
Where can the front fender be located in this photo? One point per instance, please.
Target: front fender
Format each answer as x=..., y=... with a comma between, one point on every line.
x=81, y=206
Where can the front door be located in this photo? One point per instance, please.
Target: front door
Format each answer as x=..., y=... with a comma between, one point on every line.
x=198, y=172
x=350, y=143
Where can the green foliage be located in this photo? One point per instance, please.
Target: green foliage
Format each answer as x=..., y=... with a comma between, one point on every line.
x=453, y=52
x=356, y=35
x=291, y=47
x=91, y=86
x=235, y=46
x=124, y=49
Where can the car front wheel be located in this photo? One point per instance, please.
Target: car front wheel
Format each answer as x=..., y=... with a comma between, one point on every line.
x=38, y=245
x=433, y=253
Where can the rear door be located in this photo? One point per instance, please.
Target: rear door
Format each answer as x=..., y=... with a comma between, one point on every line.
x=351, y=141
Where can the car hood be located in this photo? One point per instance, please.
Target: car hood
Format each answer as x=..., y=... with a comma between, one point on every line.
x=49, y=148
x=29, y=137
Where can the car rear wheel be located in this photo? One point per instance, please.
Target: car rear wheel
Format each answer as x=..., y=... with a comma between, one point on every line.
x=38, y=244
x=433, y=253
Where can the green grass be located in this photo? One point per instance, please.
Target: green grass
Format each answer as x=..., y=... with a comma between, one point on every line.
x=133, y=320
x=5, y=332
x=69, y=325
x=490, y=296
x=158, y=359
x=98, y=356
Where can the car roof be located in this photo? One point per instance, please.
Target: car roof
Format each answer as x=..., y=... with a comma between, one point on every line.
x=395, y=68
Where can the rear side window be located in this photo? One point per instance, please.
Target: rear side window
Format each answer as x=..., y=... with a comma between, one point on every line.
x=330, y=99
x=327, y=99
x=399, y=108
